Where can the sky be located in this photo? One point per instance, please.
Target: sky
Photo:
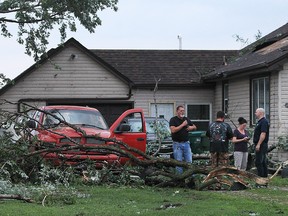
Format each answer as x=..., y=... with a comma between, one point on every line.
x=158, y=24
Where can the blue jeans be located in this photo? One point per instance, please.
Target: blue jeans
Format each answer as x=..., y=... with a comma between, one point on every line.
x=182, y=150
x=261, y=161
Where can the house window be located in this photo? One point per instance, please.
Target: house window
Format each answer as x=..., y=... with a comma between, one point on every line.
x=164, y=110
x=225, y=97
x=260, y=96
x=199, y=114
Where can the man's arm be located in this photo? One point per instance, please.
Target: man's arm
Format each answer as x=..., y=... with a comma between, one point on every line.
x=208, y=131
x=261, y=139
x=192, y=127
x=230, y=133
x=175, y=129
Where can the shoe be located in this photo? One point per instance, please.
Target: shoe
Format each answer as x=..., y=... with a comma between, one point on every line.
x=261, y=186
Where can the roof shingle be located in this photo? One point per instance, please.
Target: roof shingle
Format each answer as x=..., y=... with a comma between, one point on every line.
x=173, y=67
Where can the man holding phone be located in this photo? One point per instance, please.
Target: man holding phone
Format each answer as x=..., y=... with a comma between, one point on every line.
x=180, y=127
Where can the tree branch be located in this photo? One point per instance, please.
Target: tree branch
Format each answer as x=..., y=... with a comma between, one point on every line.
x=17, y=197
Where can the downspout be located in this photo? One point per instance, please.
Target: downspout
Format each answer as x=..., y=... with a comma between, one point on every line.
x=279, y=101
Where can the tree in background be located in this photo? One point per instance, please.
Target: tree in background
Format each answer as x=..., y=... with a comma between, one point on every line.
x=36, y=19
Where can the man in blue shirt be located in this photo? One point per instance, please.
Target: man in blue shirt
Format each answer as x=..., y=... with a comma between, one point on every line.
x=260, y=140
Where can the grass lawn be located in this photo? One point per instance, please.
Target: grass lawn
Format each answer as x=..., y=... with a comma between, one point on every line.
x=105, y=200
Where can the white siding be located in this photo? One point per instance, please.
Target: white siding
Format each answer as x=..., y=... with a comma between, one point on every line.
x=274, y=112
x=281, y=109
x=218, y=98
x=81, y=77
x=239, y=102
x=283, y=100
x=143, y=98
x=239, y=99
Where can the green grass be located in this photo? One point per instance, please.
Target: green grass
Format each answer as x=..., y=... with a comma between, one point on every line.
x=104, y=200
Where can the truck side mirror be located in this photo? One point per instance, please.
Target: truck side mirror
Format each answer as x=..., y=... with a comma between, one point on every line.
x=123, y=128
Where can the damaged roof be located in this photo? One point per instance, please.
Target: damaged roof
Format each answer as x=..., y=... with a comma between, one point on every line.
x=263, y=55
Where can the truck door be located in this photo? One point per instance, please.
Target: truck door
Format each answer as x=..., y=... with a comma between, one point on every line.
x=135, y=138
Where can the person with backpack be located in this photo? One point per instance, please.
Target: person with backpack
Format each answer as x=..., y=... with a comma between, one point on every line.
x=219, y=133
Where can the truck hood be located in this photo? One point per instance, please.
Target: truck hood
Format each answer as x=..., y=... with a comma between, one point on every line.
x=70, y=132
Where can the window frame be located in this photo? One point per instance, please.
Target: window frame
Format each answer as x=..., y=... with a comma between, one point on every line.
x=225, y=97
x=266, y=97
x=199, y=120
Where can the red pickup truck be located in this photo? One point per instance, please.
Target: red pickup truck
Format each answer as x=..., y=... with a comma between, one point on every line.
x=48, y=126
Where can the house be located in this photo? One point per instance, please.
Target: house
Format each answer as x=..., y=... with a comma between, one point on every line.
x=258, y=77
x=205, y=81
x=116, y=80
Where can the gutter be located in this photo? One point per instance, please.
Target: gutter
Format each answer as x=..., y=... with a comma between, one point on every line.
x=224, y=74
x=247, y=69
x=129, y=95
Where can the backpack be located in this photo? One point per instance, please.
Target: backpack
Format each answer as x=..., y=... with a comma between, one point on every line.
x=218, y=132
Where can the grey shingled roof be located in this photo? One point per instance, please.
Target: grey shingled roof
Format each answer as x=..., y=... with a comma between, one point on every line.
x=139, y=68
x=263, y=54
x=174, y=67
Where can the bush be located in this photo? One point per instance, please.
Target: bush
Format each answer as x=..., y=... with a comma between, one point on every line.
x=283, y=142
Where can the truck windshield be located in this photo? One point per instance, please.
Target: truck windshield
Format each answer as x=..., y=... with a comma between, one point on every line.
x=76, y=117
x=163, y=126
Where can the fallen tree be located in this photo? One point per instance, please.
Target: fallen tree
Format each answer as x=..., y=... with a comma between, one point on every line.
x=153, y=170
x=157, y=171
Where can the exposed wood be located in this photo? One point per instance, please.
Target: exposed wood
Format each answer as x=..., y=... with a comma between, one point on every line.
x=17, y=197
x=236, y=176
